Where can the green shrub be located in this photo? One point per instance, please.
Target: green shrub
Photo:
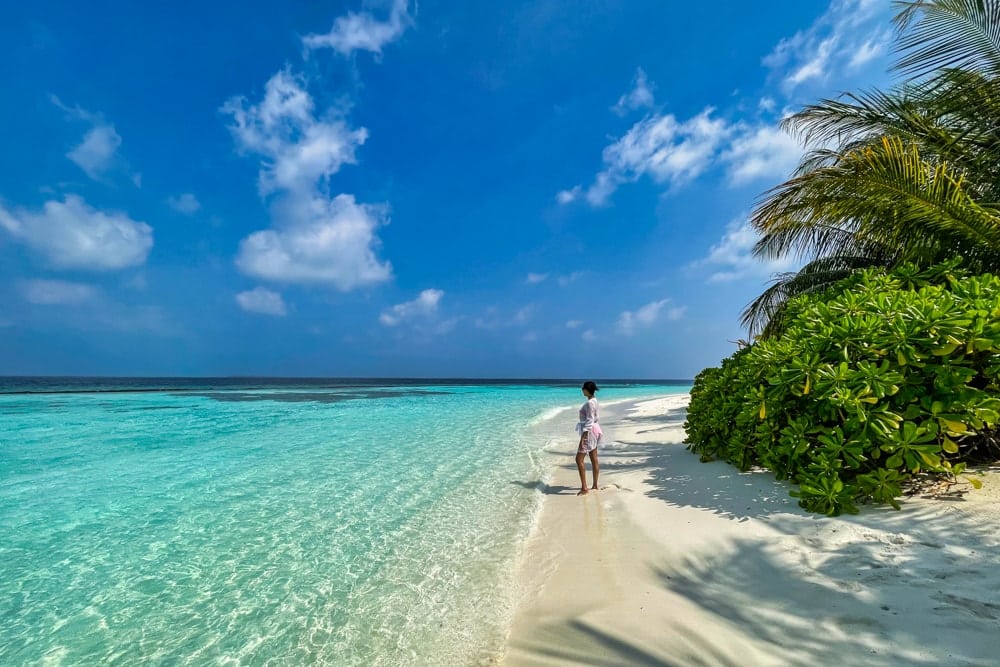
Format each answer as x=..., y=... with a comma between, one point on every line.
x=877, y=379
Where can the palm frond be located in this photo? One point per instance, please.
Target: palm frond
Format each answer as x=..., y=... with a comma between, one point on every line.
x=884, y=195
x=810, y=243
x=911, y=174
x=955, y=115
x=939, y=34
x=832, y=122
x=763, y=316
x=817, y=158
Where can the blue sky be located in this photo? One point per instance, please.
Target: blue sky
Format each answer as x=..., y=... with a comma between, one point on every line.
x=392, y=188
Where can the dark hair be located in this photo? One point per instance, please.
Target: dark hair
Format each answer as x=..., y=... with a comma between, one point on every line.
x=590, y=387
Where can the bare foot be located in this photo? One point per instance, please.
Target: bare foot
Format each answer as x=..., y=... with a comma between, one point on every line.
x=594, y=487
x=582, y=492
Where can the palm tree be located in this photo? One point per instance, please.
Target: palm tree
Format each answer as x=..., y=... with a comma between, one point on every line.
x=910, y=175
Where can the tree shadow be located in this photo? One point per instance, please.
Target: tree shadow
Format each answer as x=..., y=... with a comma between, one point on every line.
x=678, y=476
x=579, y=642
x=881, y=588
x=877, y=598
x=672, y=416
x=913, y=588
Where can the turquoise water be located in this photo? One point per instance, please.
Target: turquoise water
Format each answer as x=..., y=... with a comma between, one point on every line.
x=256, y=525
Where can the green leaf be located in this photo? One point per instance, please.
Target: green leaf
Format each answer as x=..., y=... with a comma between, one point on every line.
x=931, y=460
x=952, y=425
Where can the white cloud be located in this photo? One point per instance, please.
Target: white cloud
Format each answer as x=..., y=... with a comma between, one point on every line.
x=72, y=235
x=530, y=337
x=137, y=282
x=647, y=315
x=571, y=195
x=299, y=149
x=665, y=149
x=425, y=305
x=317, y=238
x=672, y=152
x=761, y=152
x=320, y=240
x=639, y=97
x=675, y=153
x=362, y=31
x=57, y=292
x=535, y=278
x=492, y=318
x=573, y=324
x=186, y=203
x=870, y=50
x=96, y=153
x=442, y=327
x=849, y=34
x=732, y=257
x=816, y=66
x=660, y=146
x=570, y=278
x=589, y=336
x=263, y=301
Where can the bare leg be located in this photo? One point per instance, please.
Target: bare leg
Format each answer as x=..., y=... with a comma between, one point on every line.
x=596, y=466
x=580, y=459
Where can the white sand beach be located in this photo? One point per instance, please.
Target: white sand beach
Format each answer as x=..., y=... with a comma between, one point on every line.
x=678, y=562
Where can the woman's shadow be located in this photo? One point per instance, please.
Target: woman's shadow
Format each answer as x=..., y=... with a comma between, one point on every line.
x=548, y=489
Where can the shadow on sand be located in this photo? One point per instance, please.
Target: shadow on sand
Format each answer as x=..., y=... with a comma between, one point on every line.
x=548, y=489
x=906, y=588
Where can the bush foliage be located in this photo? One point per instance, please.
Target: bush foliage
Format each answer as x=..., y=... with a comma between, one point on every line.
x=870, y=382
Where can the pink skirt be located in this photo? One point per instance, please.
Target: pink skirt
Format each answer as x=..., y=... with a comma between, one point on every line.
x=593, y=439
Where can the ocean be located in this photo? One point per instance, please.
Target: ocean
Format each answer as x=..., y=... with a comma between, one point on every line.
x=258, y=521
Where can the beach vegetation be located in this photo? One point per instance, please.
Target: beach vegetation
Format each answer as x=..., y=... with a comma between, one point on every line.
x=880, y=377
x=905, y=176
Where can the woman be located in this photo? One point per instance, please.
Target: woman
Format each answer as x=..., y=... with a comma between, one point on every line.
x=589, y=428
